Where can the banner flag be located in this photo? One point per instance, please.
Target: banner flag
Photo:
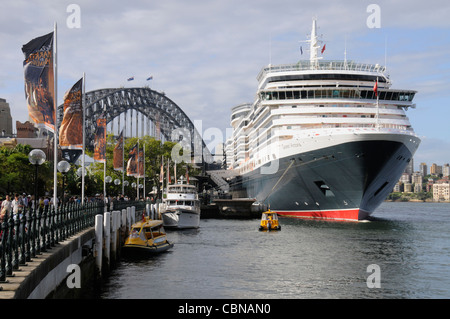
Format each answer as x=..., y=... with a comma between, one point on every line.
x=375, y=88
x=71, y=129
x=141, y=164
x=161, y=173
x=118, y=154
x=39, y=81
x=132, y=161
x=100, y=140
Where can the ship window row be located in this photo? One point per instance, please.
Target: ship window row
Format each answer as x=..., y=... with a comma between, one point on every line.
x=329, y=76
x=336, y=94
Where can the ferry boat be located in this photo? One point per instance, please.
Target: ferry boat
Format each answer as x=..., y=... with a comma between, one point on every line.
x=147, y=236
x=323, y=139
x=182, y=207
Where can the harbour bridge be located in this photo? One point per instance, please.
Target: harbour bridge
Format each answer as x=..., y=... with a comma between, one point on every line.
x=160, y=117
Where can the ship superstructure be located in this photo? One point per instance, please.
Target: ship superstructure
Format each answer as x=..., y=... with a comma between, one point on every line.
x=324, y=139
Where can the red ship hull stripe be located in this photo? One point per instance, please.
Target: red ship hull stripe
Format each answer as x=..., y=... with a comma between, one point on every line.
x=344, y=214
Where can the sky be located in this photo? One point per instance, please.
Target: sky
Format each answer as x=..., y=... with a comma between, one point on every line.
x=205, y=55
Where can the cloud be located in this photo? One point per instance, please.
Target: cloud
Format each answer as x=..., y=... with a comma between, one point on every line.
x=432, y=150
x=205, y=55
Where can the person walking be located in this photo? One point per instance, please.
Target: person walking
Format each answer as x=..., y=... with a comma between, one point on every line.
x=5, y=208
x=17, y=206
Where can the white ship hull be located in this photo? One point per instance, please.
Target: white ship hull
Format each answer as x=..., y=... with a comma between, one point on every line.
x=181, y=219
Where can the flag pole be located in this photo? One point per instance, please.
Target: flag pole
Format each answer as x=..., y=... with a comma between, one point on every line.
x=123, y=162
x=378, y=106
x=83, y=170
x=55, y=105
x=137, y=171
x=143, y=195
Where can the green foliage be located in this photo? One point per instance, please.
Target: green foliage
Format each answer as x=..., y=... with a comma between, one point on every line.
x=17, y=173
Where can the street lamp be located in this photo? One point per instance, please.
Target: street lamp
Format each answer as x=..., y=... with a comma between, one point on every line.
x=36, y=157
x=63, y=167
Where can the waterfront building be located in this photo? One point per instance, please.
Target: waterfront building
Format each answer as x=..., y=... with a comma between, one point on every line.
x=441, y=190
x=417, y=188
x=407, y=187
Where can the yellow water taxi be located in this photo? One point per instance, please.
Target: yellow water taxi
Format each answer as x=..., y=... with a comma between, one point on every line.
x=147, y=236
x=269, y=221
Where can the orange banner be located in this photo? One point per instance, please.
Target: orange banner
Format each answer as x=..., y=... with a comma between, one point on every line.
x=100, y=141
x=132, y=162
x=71, y=130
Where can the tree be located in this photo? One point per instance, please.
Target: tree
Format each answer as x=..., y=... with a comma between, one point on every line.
x=17, y=173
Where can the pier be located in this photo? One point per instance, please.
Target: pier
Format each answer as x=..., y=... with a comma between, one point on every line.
x=63, y=254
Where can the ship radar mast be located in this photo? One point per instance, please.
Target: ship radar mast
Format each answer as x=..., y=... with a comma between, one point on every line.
x=314, y=47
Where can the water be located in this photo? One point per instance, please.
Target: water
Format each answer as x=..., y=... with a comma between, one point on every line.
x=410, y=242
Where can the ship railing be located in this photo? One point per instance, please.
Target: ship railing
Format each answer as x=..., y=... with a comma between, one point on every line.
x=322, y=65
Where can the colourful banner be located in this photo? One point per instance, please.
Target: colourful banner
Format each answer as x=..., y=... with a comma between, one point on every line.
x=39, y=81
x=71, y=129
x=141, y=164
x=118, y=153
x=100, y=140
x=132, y=161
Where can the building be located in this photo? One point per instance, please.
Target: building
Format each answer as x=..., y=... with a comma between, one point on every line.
x=435, y=169
x=417, y=180
x=423, y=169
x=407, y=187
x=5, y=119
x=441, y=190
x=405, y=178
x=409, y=169
x=25, y=130
x=446, y=170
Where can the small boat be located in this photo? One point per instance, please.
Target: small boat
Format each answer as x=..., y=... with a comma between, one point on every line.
x=269, y=221
x=147, y=236
x=182, y=207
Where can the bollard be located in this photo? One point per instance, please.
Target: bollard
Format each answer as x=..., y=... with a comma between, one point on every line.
x=98, y=242
x=123, y=228
x=115, y=222
x=107, y=237
x=133, y=214
x=128, y=218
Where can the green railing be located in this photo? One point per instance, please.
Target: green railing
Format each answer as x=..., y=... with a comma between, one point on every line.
x=28, y=233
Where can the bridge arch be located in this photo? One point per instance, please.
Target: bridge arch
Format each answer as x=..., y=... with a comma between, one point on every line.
x=165, y=114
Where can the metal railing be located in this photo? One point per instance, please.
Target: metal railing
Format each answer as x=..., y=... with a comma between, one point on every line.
x=29, y=233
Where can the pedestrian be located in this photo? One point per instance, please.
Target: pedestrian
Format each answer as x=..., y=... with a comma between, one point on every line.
x=5, y=207
x=46, y=202
x=17, y=206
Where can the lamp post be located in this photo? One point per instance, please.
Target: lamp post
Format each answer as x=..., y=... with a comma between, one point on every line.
x=63, y=168
x=117, y=182
x=36, y=157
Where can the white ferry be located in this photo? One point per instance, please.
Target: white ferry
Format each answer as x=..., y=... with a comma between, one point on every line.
x=182, y=207
x=323, y=139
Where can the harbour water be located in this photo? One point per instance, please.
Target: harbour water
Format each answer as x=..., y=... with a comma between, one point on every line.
x=408, y=242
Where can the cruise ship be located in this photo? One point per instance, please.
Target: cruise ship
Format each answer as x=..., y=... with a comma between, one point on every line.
x=323, y=139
